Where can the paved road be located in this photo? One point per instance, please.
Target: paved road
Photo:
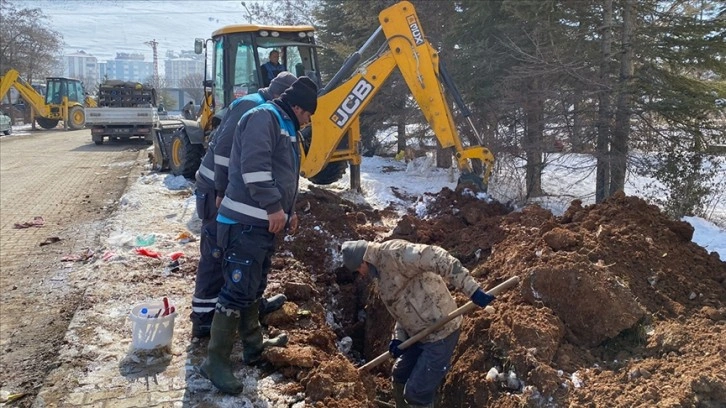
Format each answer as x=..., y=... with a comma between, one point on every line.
x=74, y=185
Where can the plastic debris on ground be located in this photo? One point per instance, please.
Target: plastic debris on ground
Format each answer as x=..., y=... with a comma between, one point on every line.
x=82, y=256
x=186, y=237
x=50, y=240
x=147, y=252
x=35, y=222
x=176, y=182
x=145, y=240
x=108, y=255
x=176, y=255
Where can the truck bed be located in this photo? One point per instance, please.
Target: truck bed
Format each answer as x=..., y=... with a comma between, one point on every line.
x=121, y=116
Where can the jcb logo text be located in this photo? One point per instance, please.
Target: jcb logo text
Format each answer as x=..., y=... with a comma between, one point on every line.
x=352, y=102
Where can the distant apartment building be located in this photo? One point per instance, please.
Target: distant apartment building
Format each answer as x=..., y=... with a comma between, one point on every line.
x=128, y=67
x=83, y=66
x=102, y=74
x=179, y=66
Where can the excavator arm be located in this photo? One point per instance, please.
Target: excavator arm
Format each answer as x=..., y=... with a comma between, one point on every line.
x=336, y=123
x=31, y=96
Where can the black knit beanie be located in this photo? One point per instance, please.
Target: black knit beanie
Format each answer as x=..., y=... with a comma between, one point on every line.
x=302, y=93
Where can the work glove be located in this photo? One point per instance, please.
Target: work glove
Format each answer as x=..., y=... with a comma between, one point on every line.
x=393, y=348
x=481, y=299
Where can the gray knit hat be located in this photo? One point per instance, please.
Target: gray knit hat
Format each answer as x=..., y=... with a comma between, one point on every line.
x=353, y=252
x=282, y=81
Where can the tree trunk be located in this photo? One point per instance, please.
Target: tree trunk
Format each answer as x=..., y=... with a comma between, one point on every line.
x=444, y=158
x=401, y=139
x=534, y=139
x=621, y=133
x=602, y=148
x=576, y=134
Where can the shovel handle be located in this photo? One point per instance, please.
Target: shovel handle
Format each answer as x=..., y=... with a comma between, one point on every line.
x=466, y=308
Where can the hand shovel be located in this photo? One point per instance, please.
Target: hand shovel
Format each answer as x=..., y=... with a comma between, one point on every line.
x=469, y=306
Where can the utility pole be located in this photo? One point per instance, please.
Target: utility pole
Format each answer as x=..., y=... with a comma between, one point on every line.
x=153, y=43
x=249, y=15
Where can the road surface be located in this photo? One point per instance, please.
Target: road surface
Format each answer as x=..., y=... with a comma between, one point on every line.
x=73, y=185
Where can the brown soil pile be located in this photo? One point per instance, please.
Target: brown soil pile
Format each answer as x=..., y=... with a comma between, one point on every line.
x=616, y=306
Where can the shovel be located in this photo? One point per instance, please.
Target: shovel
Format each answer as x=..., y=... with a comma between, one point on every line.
x=469, y=306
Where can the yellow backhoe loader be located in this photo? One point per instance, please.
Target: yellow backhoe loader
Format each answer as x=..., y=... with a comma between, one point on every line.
x=238, y=52
x=333, y=139
x=65, y=100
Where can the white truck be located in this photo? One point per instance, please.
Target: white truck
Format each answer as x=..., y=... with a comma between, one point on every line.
x=125, y=110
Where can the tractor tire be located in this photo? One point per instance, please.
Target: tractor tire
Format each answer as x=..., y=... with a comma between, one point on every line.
x=46, y=123
x=331, y=173
x=76, y=118
x=184, y=157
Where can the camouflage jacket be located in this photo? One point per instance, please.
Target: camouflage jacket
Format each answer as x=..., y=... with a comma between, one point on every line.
x=413, y=285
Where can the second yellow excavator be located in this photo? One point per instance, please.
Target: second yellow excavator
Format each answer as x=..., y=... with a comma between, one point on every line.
x=65, y=100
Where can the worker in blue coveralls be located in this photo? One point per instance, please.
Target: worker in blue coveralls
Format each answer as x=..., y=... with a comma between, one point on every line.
x=210, y=187
x=271, y=68
x=259, y=203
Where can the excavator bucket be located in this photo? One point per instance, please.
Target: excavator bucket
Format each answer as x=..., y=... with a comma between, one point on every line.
x=473, y=182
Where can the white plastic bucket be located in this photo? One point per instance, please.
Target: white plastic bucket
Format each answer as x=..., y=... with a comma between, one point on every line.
x=148, y=332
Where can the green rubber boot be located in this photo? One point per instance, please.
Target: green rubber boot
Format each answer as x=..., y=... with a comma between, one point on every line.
x=398, y=395
x=251, y=333
x=271, y=304
x=279, y=341
x=217, y=367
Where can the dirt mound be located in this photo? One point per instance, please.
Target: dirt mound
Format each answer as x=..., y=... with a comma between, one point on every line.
x=616, y=305
x=607, y=290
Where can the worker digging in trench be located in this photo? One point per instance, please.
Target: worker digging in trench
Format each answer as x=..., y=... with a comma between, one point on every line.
x=412, y=282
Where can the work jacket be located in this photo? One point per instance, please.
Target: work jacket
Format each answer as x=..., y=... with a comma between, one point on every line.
x=205, y=172
x=225, y=134
x=270, y=71
x=263, y=167
x=412, y=284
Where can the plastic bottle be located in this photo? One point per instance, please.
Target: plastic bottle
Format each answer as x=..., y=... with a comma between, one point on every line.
x=144, y=312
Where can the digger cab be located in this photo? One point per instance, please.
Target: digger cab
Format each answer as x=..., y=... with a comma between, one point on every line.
x=73, y=113
x=239, y=52
x=57, y=88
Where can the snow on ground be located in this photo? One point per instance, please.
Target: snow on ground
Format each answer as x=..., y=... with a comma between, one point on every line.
x=156, y=213
x=19, y=130
x=380, y=175
x=708, y=235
